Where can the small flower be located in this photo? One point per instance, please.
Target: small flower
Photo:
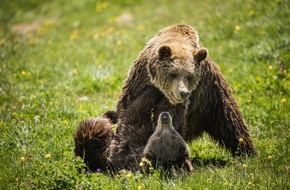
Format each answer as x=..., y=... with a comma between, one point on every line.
x=270, y=67
x=22, y=159
x=75, y=71
x=250, y=184
x=119, y=42
x=145, y=160
x=74, y=34
x=244, y=166
x=139, y=187
x=237, y=28
x=141, y=164
x=26, y=73
x=98, y=170
x=283, y=100
x=241, y=140
x=47, y=156
x=17, y=179
x=129, y=175
x=269, y=157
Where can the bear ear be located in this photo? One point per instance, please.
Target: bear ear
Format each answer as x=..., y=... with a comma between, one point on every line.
x=200, y=55
x=164, y=52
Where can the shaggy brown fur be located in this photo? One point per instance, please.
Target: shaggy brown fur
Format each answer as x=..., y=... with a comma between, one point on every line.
x=93, y=136
x=174, y=74
x=133, y=131
x=211, y=106
x=103, y=149
x=166, y=147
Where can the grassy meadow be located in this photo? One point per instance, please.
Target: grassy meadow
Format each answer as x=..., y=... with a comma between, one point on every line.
x=62, y=61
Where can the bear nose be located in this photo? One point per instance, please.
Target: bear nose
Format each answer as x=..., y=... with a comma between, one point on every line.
x=184, y=94
x=164, y=115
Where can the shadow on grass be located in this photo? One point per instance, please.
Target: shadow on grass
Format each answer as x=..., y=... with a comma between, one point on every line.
x=202, y=162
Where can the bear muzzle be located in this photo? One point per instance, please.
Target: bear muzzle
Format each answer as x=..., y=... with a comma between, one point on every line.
x=184, y=94
x=183, y=90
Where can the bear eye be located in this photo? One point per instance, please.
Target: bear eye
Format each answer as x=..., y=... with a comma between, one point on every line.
x=173, y=75
x=189, y=77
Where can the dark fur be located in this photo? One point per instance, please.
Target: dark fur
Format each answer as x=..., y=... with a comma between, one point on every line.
x=213, y=109
x=133, y=131
x=93, y=137
x=101, y=148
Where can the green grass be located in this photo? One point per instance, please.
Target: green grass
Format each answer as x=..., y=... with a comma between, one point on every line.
x=71, y=64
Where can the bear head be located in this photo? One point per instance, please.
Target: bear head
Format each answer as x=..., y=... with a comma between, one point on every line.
x=175, y=69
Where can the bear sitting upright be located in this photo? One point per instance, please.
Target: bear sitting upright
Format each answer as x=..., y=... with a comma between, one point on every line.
x=170, y=62
x=172, y=74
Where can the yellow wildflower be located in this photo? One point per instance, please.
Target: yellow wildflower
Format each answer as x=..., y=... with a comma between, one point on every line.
x=75, y=71
x=139, y=187
x=270, y=67
x=283, y=100
x=119, y=42
x=241, y=140
x=47, y=156
x=141, y=164
x=250, y=184
x=74, y=35
x=129, y=175
x=244, y=166
x=237, y=28
x=22, y=159
x=269, y=157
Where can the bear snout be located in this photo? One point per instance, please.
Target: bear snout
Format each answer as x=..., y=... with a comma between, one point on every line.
x=164, y=115
x=164, y=118
x=184, y=94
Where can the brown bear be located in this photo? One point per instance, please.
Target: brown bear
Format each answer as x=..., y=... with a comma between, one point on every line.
x=166, y=148
x=172, y=74
x=168, y=63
